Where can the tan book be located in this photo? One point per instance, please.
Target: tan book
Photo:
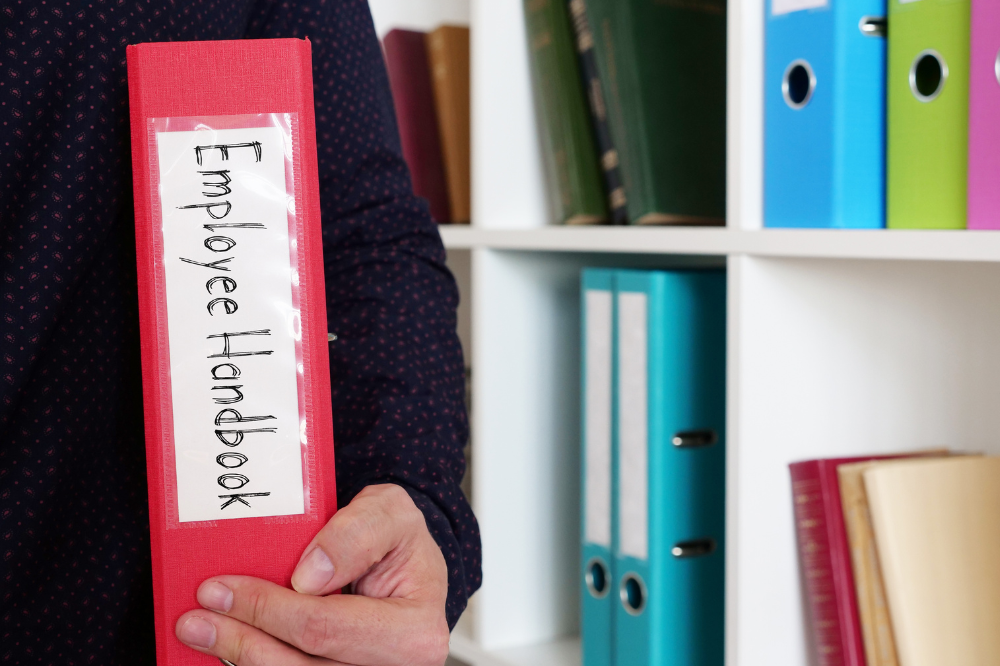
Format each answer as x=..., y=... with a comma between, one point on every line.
x=448, y=53
x=873, y=610
x=876, y=630
x=937, y=530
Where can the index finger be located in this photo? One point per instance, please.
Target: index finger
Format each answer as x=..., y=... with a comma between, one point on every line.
x=346, y=628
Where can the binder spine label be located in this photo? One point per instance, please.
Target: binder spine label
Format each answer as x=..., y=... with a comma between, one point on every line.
x=228, y=310
x=633, y=434
x=779, y=7
x=597, y=480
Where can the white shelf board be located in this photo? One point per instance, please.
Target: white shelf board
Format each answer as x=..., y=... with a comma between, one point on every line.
x=560, y=652
x=805, y=243
x=423, y=15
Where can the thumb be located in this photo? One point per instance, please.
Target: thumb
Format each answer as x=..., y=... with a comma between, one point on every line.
x=380, y=519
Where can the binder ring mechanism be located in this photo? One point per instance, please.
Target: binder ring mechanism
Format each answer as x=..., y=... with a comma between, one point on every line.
x=694, y=548
x=633, y=593
x=873, y=26
x=798, y=84
x=928, y=74
x=692, y=439
x=597, y=577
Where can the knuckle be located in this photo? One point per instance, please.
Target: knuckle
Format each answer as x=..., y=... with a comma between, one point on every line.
x=389, y=496
x=248, y=651
x=415, y=518
x=374, y=490
x=395, y=493
x=397, y=505
x=438, y=566
x=258, y=605
x=361, y=532
x=434, y=647
x=315, y=633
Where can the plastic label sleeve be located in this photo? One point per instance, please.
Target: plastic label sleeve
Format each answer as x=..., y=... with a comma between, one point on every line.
x=233, y=327
x=597, y=481
x=779, y=7
x=633, y=424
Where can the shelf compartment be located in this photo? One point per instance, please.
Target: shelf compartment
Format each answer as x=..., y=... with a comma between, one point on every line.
x=832, y=358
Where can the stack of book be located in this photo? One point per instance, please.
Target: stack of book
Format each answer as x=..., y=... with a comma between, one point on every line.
x=429, y=77
x=654, y=467
x=634, y=90
x=899, y=558
x=876, y=118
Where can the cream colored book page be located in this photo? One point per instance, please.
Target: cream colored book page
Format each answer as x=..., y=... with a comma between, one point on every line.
x=937, y=529
x=873, y=610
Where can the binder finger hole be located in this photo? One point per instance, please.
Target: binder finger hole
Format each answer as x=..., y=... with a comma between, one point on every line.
x=633, y=594
x=928, y=75
x=798, y=84
x=693, y=548
x=598, y=578
x=690, y=439
x=996, y=67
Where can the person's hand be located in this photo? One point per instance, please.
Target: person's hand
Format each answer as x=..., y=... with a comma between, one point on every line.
x=396, y=616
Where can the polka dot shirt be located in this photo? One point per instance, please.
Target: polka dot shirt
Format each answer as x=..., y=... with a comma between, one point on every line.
x=75, y=584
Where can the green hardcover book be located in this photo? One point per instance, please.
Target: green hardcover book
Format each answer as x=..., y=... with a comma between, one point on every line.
x=571, y=153
x=664, y=62
x=928, y=114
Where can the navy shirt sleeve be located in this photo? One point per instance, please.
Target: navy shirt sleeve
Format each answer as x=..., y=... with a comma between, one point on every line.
x=396, y=366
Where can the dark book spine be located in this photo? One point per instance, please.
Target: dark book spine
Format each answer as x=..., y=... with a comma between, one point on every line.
x=813, y=532
x=572, y=158
x=416, y=118
x=598, y=112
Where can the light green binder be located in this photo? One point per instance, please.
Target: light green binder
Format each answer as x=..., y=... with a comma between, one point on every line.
x=928, y=109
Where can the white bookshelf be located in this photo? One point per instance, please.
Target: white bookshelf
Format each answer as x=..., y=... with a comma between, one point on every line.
x=840, y=342
x=792, y=243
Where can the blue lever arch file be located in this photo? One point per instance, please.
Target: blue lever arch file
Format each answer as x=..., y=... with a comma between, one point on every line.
x=669, y=560
x=597, y=578
x=824, y=105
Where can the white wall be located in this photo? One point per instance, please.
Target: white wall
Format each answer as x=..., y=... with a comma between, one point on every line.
x=417, y=14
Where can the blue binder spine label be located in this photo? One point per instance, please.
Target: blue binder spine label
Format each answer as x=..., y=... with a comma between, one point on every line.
x=779, y=7
x=597, y=476
x=633, y=470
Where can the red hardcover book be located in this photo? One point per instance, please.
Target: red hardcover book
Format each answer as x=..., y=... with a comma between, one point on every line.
x=825, y=557
x=236, y=392
x=416, y=115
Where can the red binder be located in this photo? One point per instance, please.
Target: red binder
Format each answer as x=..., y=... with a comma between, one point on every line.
x=235, y=365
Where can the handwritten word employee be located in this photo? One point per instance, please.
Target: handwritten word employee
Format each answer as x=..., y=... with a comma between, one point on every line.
x=75, y=581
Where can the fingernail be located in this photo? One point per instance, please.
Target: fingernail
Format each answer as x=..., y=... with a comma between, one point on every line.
x=313, y=572
x=197, y=632
x=215, y=596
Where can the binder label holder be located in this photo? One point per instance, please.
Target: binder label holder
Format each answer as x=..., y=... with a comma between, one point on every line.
x=227, y=301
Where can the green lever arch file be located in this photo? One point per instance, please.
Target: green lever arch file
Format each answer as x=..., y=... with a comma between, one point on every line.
x=928, y=108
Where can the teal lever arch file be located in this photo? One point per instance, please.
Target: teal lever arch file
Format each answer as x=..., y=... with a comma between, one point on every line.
x=597, y=612
x=670, y=342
